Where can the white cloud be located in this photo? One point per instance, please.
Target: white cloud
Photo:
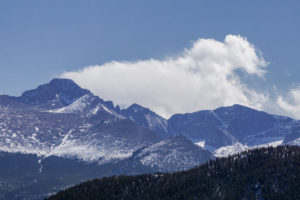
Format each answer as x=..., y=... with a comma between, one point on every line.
x=202, y=77
x=290, y=104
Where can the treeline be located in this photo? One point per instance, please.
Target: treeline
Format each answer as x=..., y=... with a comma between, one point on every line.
x=267, y=173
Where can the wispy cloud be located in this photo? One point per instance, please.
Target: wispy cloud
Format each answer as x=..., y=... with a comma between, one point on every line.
x=202, y=77
x=290, y=103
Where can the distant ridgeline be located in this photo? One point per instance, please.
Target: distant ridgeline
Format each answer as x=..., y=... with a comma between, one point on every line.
x=267, y=173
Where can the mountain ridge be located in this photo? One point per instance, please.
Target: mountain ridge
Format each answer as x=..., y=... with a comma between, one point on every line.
x=211, y=129
x=62, y=125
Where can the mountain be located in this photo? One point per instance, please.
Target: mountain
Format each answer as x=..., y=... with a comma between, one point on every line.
x=227, y=126
x=59, y=125
x=267, y=173
x=55, y=117
x=223, y=131
x=60, y=118
x=146, y=118
x=59, y=134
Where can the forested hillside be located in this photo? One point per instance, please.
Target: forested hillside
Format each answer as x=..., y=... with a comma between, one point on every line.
x=267, y=173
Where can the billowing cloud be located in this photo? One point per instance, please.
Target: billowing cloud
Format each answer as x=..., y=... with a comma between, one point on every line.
x=290, y=104
x=202, y=77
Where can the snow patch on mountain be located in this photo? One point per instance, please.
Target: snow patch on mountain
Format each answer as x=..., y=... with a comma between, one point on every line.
x=238, y=147
x=230, y=150
x=294, y=142
x=77, y=106
x=271, y=144
x=88, y=105
x=200, y=144
x=92, y=150
x=16, y=148
x=89, y=152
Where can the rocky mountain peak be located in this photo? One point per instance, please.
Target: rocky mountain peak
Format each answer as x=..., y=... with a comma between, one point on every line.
x=56, y=93
x=137, y=108
x=146, y=118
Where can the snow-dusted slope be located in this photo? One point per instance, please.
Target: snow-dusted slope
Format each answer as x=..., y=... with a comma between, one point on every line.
x=88, y=105
x=174, y=153
x=69, y=134
x=79, y=126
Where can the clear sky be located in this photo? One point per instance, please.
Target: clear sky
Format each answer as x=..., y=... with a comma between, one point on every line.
x=40, y=40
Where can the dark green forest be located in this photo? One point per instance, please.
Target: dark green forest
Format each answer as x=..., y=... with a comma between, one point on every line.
x=266, y=173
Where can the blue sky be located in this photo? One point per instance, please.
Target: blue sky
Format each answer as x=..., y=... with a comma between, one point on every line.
x=40, y=40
